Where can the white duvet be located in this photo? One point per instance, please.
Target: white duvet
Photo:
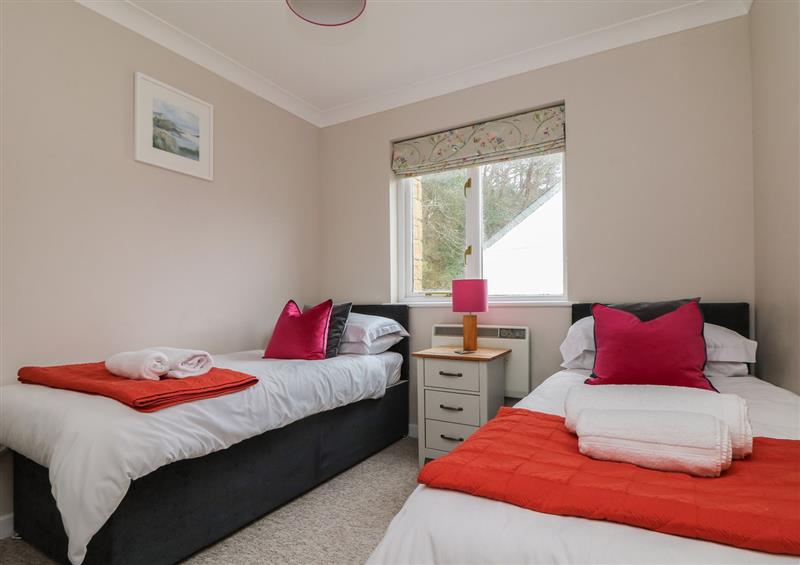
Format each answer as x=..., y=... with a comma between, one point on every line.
x=94, y=446
x=441, y=526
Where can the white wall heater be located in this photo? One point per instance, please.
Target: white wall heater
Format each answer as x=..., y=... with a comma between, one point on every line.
x=515, y=338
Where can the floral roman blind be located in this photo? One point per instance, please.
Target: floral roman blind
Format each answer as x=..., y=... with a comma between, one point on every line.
x=537, y=132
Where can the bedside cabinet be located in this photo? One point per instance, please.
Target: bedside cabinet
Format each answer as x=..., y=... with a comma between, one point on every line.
x=455, y=395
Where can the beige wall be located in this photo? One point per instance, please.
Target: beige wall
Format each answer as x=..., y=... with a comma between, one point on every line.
x=658, y=179
x=659, y=192
x=102, y=253
x=775, y=43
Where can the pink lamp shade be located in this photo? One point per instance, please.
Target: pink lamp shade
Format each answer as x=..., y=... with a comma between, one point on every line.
x=470, y=295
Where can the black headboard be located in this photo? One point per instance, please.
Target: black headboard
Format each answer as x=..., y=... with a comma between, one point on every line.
x=732, y=315
x=398, y=313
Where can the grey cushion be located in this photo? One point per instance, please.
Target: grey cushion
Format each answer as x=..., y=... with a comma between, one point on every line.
x=336, y=326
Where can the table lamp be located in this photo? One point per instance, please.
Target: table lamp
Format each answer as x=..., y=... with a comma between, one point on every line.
x=470, y=296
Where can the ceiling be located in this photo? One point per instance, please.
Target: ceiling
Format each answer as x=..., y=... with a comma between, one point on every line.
x=398, y=51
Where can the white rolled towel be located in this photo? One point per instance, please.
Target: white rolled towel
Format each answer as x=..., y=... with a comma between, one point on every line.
x=684, y=442
x=728, y=408
x=145, y=364
x=185, y=362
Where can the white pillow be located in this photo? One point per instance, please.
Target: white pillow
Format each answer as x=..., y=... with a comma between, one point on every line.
x=725, y=369
x=377, y=346
x=712, y=369
x=362, y=328
x=584, y=360
x=722, y=344
x=580, y=338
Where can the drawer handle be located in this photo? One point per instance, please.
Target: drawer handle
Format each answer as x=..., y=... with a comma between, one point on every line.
x=453, y=408
x=451, y=438
x=446, y=374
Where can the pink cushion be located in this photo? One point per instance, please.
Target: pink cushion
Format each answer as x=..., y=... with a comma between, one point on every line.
x=300, y=335
x=668, y=350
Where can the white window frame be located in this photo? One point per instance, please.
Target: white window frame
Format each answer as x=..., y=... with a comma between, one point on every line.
x=474, y=237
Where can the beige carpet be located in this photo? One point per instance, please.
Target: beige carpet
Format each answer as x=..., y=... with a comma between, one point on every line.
x=340, y=521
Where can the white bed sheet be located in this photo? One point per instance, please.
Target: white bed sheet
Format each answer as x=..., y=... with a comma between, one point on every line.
x=95, y=446
x=441, y=526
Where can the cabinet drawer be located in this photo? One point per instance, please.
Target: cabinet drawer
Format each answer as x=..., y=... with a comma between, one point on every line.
x=445, y=436
x=459, y=375
x=452, y=407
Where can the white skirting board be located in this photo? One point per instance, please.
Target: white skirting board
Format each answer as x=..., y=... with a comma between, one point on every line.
x=6, y=526
x=412, y=430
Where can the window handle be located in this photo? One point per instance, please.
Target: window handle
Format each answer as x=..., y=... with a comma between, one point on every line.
x=467, y=251
x=446, y=374
x=467, y=185
x=451, y=438
x=453, y=408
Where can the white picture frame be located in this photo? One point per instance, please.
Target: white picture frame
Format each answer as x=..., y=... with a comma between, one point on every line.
x=173, y=129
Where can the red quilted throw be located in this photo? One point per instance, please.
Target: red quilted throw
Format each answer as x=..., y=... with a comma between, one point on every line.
x=145, y=396
x=529, y=459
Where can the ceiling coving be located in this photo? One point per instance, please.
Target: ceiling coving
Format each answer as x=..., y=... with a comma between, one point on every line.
x=397, y=51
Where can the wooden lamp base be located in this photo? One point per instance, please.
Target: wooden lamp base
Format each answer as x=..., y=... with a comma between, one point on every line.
x=470, y=333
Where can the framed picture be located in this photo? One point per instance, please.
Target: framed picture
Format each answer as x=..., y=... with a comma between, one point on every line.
x=173, y=129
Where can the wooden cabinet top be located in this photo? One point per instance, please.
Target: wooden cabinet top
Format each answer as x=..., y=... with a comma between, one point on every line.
x=481, y=354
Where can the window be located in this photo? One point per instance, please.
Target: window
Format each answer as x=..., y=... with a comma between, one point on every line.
x=501, y=221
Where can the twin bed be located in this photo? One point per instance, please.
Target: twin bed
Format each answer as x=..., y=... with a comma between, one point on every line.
x=445, y=526
x=154, y=488
x=133, y=488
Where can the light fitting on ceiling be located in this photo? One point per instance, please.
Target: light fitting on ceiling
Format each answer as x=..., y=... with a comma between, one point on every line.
x=327, y=13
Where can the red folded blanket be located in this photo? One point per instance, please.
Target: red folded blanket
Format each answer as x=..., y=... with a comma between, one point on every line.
x=530, y=459
x=145, y=396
